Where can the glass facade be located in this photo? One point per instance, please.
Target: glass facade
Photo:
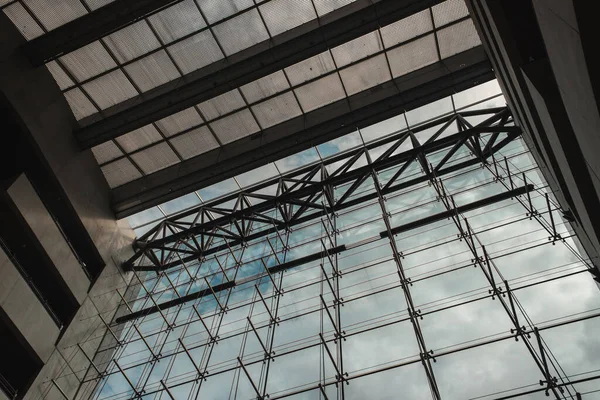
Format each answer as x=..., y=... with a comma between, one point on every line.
x=430, y=262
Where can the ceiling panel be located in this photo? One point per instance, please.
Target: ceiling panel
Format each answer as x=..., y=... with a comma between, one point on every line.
x=265, y=87
x=412, y=56
x=195, y=52
x=221, y=105
x=80, y=105
x=51, y=16
x=132, y=41
x=320, y=92
x=59, y=75
x=241, y=32
x=365, y=74
x=23, y=21
x=310, y=68
x=88, y=61
x=276, y=110
x=235, y=126
x=457, y=38
x=106, y=152
x=449, y=11
x=179, y=122
x=152, y=71
x=218, y=10
x=177, y=21
x=120, y=172
x=326, y=6
x=139, y=138
x=407, y=28
x=110, y=89
x=283, y=15
x=155, y=158
x=357, y=49
x=195, y=142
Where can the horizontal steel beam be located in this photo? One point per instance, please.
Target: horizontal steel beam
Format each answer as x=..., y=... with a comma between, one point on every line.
x=305, y=41
x=319, y=255
x=363, y=109
x=199, y=229
x=89, y=28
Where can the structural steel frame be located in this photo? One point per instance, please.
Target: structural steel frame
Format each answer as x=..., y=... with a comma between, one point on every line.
x=301, y=189
x=308, y=195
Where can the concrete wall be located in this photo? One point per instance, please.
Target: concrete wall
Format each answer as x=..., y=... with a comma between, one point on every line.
x=49, y=235
x=24, y=309
x=48, y=119
x=536, y=50
x=558, y=26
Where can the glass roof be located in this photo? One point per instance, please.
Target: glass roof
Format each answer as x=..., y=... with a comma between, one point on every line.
x=485, y=95
x=192, y=34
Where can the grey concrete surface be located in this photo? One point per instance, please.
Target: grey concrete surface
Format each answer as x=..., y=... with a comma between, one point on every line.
x=24, y=309
x=552, y=99
x=49, y=235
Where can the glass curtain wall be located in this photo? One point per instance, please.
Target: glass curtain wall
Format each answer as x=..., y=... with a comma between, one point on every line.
x=430, y=263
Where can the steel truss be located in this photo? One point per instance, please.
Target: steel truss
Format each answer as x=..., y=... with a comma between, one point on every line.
x=312, y=194
x=190, y=234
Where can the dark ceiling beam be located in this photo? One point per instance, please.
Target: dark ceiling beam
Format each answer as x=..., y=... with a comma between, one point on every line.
x=418, y=88
x=89, y=28
x=307, y=40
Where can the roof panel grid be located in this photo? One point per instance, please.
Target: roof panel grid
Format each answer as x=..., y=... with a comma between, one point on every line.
x=110, y=89
x=59, y=75
x=217, y=10
x=449, y=11
x=152, y=71
x=320, y=92
x=139, y=138
x=196, y=52
x=276, y=110
x=155, y=158
x=365, y=74
x=407, y=28
x=88, y=61
x=357, y=49
x=106, y=152
x=221, y=105
x=132, y=41
x=120, y=172
x=235, y=126
x=265, y=87
x=80, y=105
x=177, y=21
x=23, y=21
x=195, y=142
x=457, y=38
x=241, y=32
x=413, y=55
x=179, y=122
x=310, y=68
x=283, y=15
x=52, y=13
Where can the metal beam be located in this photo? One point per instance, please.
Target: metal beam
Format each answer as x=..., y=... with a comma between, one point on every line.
x=405, y=93
x=166, y=242
x=340, y=249
x=307, y=40
x=89, y=28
